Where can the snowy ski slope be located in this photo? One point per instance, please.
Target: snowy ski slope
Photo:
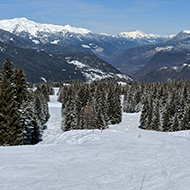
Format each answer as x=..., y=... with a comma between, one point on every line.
x=115, y=159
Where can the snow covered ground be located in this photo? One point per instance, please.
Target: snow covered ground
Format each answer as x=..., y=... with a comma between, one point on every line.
x=115, y=159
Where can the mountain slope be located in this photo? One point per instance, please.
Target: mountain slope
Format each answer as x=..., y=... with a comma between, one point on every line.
x=164, y=59
x=58, y=67
x=147, y=58
x=141, y=38
x=113, y=159
x=167, y=73
x=132, y=60
x=55, y=34
x=107, y=47
x=9, y=38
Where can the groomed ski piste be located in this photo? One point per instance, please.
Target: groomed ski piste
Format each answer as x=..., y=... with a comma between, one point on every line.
x=115, y=159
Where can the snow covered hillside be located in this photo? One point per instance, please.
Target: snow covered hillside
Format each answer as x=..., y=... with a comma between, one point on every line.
x=57, y=37
x=116, y=159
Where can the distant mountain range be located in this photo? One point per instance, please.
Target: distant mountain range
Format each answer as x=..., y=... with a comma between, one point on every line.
x=105, y=46
x=168, y=73
x=41, y=65
x=140, y=55
x=145, y=61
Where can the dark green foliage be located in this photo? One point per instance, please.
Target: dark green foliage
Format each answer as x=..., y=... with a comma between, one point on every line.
x=114, y=106
x=20, y=86
x=10, y=131
x=166, y=120
x=20, y=123
x=156, y=125
x=165, y=104
x=90, y=106
x=7, y=69
x=144, y=114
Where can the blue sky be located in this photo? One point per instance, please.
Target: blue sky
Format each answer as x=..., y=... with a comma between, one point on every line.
x=162, y=17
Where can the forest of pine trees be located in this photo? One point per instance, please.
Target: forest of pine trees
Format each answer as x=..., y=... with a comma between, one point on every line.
x=165, y=106
x=90, y=106
x=22, y=111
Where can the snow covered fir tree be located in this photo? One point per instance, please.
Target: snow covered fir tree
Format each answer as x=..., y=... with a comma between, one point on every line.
x=90, y=106
x=164, y=106
x=22, y=111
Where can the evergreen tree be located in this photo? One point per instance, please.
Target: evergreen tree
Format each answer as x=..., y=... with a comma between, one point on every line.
x=101, y=121
x=145, y=114
x=89, y=117
x=166, y=122
x=8, y=70
x=29, y=123
x=150, y=115
x=10, y=131
x=156, y=121
x=176, y=126
x=185, y=123
x=70, y=121
x=20, y=85
x=19, y=121
x=100, y=105
x=114, y=111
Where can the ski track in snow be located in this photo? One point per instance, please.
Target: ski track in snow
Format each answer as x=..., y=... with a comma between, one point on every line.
x=115, y=159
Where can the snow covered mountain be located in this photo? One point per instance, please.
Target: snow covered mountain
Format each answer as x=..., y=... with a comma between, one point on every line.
x=23, y=27
x=140, y=61
x=40, y=65
x=142, y=38
x=104, y=46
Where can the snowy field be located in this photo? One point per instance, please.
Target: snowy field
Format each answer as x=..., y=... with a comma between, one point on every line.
x=116, y=159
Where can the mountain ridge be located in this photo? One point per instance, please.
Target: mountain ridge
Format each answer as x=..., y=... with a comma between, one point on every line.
x=40, y=65
x=15, y=25
x=105, y=46
x=140, y=61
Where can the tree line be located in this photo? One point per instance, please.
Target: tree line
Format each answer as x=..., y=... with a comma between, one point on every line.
x=23, y=111
x=90, y=106
x=165, y=106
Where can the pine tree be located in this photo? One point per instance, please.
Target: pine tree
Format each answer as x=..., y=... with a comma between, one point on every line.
x=114, y=111
x=145, y=114
x=70, y=120
x=100, y=105
x=150, y=115
x=19, y=121
x=185, y=123
x=156, y=121
x=100, y=122
x=8, y=70
x=166, y=122
x=10, y=131
x=89, y=117
x=176, y=126
x=41, y=107
x=20, y=86
x=28, y=121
